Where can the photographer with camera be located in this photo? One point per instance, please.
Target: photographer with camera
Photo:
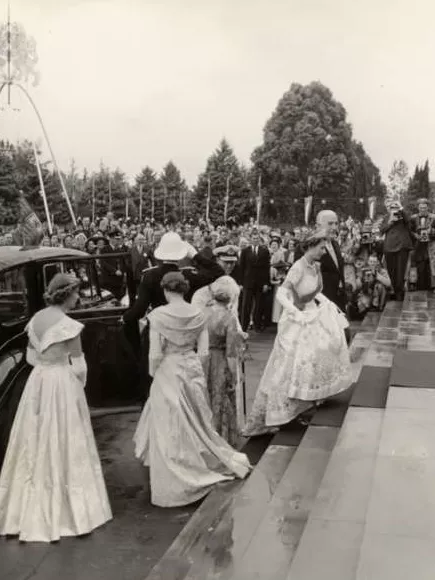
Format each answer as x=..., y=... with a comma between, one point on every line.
x=398, y=243
x=422, y=225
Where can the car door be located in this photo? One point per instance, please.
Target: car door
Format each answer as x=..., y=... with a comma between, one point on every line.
x=113, y=368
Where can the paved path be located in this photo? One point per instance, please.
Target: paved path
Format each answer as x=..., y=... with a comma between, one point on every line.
x=129, y=546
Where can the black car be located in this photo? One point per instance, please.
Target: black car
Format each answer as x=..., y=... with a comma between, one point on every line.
x=113, y=368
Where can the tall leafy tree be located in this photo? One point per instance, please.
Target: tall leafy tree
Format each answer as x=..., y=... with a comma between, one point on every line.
x=419, y=186
x=227, y=182
x=172, y=191
x=146, y=179
x=307, y=149
x=398, y=179
x=8, y=188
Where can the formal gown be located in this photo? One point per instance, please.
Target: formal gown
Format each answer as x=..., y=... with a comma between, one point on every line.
x=309, y=361
x=51, y=483
x=225, y=342
x=175, y=435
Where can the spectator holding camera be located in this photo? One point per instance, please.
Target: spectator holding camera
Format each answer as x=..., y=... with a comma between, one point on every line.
x=422, y=227
x=398, y=243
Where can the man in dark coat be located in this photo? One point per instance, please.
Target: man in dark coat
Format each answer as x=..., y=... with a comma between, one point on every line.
x=170, y=252
x=398, y=243
x=332, y=263
x=422, y=226
x=254, y=276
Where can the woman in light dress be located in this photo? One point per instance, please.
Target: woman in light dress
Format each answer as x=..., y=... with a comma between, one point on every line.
x=310, y=360
x=51, y=483
x=224, y=372
x=175, y=435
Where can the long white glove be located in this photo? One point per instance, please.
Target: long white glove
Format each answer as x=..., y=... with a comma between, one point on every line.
x=80, y=368
x=287, y=303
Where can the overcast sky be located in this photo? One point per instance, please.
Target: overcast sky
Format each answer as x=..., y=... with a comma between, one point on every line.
x=136, y=82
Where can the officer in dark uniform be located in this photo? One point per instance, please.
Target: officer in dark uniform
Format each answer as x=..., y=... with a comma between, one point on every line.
x=170, y=251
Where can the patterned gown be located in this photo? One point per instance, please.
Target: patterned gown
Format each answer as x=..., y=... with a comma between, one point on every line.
x=224, y=342
x=310, y=359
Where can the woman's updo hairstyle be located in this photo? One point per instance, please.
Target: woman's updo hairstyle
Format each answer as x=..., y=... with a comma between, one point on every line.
x=60, y=288
x=175, y=282
x=313, y=239
x=223, y=290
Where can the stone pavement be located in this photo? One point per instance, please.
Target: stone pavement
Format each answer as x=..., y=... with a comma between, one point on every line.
x=131, y=544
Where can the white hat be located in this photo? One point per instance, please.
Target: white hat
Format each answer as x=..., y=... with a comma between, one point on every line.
x=171, y=247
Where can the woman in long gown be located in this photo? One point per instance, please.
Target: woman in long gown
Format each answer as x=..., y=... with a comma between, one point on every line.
x=51, y=483
x=175, y=435
x=227, y=344
x=310, y=360
x=226, y=340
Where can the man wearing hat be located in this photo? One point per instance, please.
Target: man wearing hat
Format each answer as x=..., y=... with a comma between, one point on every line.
x=422, y=226
x=169, y=253
x=226, y=258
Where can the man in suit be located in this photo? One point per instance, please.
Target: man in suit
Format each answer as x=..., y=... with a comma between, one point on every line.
x=254, y=276
x=332, y=263
x=398, y=242
x=422, y=227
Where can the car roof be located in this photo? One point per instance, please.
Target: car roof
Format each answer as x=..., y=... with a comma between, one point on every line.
x=11, y=256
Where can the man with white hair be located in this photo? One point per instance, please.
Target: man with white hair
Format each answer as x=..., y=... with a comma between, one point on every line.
x=332, y=263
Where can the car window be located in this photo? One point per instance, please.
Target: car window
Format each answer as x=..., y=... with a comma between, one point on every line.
x=94, y=291
x=13, y=295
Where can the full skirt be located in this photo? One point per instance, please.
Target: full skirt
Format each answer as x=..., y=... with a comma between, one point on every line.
x=51, y=483
x=176, y=437
x=309, y=362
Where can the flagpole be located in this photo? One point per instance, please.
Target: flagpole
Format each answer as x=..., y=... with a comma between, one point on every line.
x=42, y=190
x=207, y=209
x=9, y=53
x=152, y=203
x=227, y=199
x=110, y=194
x=165, y=193
x=93, y=199
x=140, y=202
x=126, y=201
x=259, y=200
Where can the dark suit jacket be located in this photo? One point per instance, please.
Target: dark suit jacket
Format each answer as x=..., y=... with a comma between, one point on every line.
x=332, y=277
x=254, y=270
x=397, y=235
x=150, y=293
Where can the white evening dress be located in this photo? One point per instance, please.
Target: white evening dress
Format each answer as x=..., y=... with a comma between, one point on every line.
x=51, y=483
x=310, y=359
x=175, y=435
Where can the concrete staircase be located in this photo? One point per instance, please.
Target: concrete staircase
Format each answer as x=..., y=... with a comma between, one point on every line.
x=252, y=530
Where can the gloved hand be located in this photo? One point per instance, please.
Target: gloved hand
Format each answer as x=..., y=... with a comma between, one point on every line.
x=80, y=368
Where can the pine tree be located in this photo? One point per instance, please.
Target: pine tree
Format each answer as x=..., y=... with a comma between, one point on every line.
x=226, y=180
x=148, y=180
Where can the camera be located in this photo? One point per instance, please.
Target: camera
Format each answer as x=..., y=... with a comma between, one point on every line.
x=424, y=235
x=366, y=237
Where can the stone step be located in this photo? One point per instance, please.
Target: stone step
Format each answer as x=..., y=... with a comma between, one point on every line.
x=273, y=544
x=228, y=513
x=330, y=544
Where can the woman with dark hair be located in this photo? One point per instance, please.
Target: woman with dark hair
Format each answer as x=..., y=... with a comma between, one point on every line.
x=310, y=359
x=175, y=436
x=51, y=483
